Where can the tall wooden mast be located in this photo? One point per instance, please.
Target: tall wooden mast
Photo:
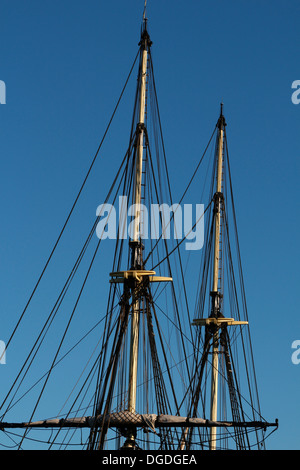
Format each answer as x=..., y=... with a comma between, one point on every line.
x=216, y=293
x=134, y=351
x=136, y=241
x=136, y=280
x=216, y=322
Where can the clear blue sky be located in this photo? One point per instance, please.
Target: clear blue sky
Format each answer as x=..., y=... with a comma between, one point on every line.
x=64, y=64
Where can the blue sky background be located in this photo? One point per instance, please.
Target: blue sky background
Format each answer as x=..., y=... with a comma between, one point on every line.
x=64, y=64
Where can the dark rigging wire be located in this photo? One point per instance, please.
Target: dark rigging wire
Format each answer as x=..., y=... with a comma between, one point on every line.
x=72, y=208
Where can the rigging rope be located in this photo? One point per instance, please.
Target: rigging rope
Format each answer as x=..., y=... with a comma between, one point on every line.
x=72, y=208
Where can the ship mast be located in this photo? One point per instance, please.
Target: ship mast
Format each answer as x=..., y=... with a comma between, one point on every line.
x=123, y=409
x=135, y=243
x=174, y=430
x=216, y=293
x=216, y=324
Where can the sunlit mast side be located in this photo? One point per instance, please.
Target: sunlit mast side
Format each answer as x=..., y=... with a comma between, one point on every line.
x=137, y=278
x=135, y=243
x=216, y=293
x=216, y=319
